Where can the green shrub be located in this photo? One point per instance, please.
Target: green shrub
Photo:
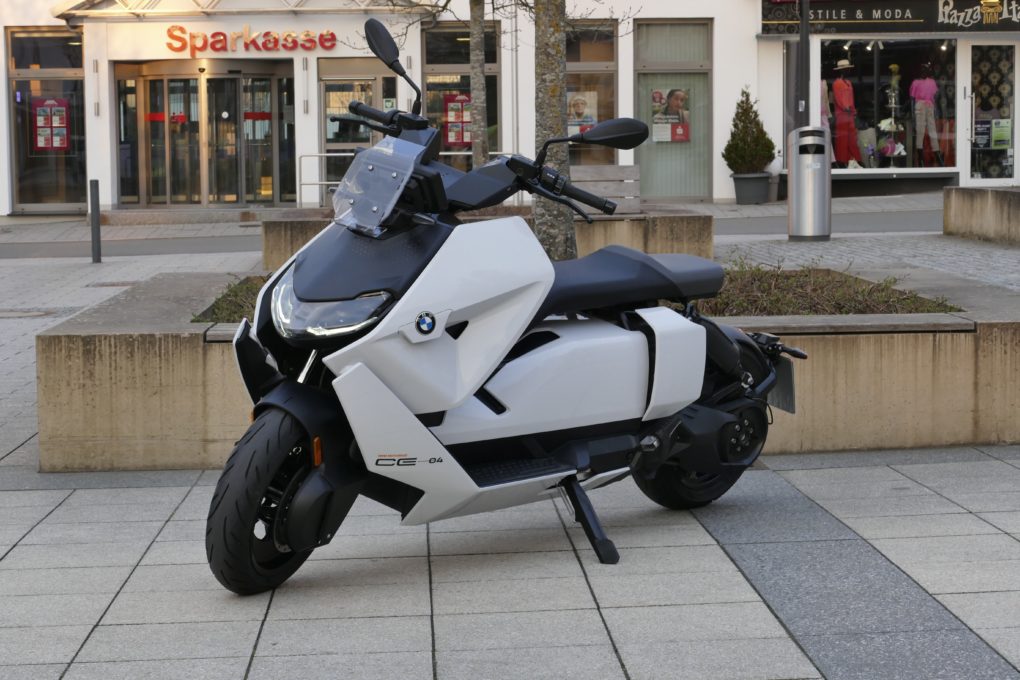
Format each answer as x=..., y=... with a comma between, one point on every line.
x=749, y=150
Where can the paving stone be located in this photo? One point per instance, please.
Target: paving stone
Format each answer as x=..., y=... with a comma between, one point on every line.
x=351, y=601
x=540, y=663
x=534, y=516
x=16, y=499
x=656, y=536
x=27, y=477
x=209, y=478
x=935, y=655
x=374, y=666
x=195, y=504
x=1006, y=641
x=74, y=555
x=645, y=590
x=65, y=534
x=185, y=607
x=540, y=594
x=376, y=571
x=854, y=475
x=888, y=507
x=366, y=506
x=1006, y=521
x=112, y=514
x=935, y=473
x=183, y=530
x=623, y=494
x=845, y=459
x=170, y=641
x=508, y=541
x=646, y=516
x=681, y=560
x=346, y=636
x=917, y=526
x=965, y=577
x=63, y=581
x=519, y=630
x=176, y=552
x=23, y=515
x=27, y=646
x=722, y=621
x=165, y=496
x=838, y=587
x=985, y=610
x=24, y=611
x=192, y=669
x=949, y=548
x=764, y=507
x=362, y=547
x=374, y=525
x=171, y=577
x=750, y=659
x=449, y=568
x=865, y=490
x=32, y=672
x=11, y=534
x=986, y=502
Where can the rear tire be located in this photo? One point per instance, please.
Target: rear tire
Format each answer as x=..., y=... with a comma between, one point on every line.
x=678, y=489
x=243, y=541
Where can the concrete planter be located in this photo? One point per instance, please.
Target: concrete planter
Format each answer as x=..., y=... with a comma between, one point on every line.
x=985, y=214
x=689, y=233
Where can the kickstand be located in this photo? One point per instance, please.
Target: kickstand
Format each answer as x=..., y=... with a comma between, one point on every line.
x=584, y=513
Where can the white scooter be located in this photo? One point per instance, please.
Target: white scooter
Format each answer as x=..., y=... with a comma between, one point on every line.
x=446, y=369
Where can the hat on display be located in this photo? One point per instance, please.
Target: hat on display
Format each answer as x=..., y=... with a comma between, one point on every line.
x=895, y=68
x=843, y=64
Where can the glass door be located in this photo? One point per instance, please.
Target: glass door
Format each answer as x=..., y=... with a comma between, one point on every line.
x=155, y=124
x=991, y=105
x=257, y=103
x=183, y=126
x=224, y=158
x=341, y=137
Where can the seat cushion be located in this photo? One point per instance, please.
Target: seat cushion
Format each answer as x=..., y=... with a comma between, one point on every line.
x=615, y=276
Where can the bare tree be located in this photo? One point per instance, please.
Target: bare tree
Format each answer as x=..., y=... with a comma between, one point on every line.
x=479, y=111
x=554, y=224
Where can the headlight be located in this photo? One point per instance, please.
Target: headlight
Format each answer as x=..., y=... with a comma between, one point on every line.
x=294, y=318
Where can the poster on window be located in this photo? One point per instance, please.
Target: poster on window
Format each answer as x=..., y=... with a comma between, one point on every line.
x=671, y=117
x=50, y=129
x=582, y=108
x=1002, y=133
x=457, y=110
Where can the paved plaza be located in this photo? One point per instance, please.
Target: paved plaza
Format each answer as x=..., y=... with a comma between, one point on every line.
x=869, y=565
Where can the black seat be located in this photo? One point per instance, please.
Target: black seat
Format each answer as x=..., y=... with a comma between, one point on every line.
x=616, y=276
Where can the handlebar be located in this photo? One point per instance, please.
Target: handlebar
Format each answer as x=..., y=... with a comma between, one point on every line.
x=366, y=111
x=559, y=185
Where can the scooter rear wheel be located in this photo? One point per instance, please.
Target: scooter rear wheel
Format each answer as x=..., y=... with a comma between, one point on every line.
x=246, y=549
x=679, y=489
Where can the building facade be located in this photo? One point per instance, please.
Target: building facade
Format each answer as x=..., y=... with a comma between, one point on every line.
x=171, y=103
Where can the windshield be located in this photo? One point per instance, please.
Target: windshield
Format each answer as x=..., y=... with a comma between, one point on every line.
x=373, y=184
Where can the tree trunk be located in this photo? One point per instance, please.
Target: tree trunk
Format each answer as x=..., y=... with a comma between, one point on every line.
x=478, y=127
x=554, y=223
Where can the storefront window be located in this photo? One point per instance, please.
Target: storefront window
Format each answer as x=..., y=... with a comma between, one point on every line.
x=890, y=103
x=448, y=91
x=992, y=69
x=48, y=114
x=591, y=88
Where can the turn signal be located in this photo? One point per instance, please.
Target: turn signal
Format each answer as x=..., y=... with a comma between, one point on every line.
x=317, y=451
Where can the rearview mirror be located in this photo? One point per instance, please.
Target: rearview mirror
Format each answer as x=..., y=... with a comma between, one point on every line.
x=618, y=133
x=383, y=46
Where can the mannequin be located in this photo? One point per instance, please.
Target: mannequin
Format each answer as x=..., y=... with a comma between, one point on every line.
x=922, y=93
x=845, y=147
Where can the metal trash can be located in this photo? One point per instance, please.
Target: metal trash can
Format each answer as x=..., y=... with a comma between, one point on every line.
x=809, y=190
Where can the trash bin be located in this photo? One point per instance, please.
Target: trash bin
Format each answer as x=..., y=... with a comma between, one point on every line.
x=809, y=194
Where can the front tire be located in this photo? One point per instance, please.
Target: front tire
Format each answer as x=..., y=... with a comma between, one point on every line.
x=244, y=540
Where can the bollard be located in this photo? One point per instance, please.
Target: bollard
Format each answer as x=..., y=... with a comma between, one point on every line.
x=97, y=249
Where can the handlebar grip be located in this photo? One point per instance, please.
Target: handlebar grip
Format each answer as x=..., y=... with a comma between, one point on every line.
x=366, y=111
x=598, y=202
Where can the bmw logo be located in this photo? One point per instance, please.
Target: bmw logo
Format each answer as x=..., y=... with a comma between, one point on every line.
x=426, y=323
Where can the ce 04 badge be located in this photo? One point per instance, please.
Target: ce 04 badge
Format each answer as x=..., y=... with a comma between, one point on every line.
x=425, y=323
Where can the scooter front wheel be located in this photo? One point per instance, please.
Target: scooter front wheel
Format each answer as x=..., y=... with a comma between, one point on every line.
x=244, y=540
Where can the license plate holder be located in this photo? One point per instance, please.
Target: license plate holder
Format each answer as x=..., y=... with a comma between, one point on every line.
x=782, y=395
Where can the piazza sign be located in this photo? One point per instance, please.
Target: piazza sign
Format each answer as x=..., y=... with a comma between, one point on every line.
x=180, y=39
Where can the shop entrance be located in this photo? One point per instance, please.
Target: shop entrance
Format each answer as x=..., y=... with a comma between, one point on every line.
x=206, y=132
x=990, y=105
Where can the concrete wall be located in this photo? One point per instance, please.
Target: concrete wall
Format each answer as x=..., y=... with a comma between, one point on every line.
x=986, y=214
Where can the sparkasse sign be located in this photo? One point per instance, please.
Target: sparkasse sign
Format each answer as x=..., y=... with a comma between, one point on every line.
x=180, y=39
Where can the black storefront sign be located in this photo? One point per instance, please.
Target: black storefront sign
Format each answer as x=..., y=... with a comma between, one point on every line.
x=780, y=17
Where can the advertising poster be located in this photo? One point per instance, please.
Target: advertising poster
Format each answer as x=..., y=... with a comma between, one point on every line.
x=982, y=134
x=1002, y=133
x=50, y=117
x=457, y=110
x=582, y=108
x=671, y=116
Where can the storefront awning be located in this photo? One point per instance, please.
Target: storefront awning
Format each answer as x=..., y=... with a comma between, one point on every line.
x=81, y=9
